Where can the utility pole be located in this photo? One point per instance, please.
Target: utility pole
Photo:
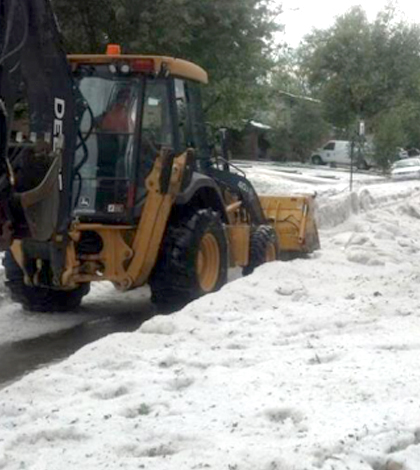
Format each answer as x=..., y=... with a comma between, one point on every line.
x=351, y=162
x=360, y=136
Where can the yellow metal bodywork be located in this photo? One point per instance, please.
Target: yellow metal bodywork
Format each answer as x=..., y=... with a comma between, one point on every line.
x=270, y=253
x=129, y=253
x=239, y=244
x=208, y=263
x=177, y=67
x=154, y=219
x=109, y=264
x=16, y=249
x=294, y=222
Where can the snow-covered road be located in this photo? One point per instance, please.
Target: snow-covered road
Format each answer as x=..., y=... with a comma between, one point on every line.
x=104, y=301
x=308, y=364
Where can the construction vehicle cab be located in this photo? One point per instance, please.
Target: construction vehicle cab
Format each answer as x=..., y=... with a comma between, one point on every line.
x=108, y=176
x=133, y=108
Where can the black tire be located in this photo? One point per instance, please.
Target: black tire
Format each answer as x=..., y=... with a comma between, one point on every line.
x=39, y=299
x=264, y=247
x=317, y=160
x=177, y=276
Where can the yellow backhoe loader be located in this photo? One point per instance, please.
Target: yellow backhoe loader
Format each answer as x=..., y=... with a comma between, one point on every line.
x=108, y=177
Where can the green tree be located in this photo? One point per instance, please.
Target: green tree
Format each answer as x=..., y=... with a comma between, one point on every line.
x=308, y=129
x=297, y=119
x=410, y=117
x=337, y=63
x=369, y=70
x=389, y=134
x=299, y=129
x=231, y=40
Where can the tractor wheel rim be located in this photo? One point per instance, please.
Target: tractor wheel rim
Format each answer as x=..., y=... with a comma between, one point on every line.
x=270, y=253
x=208, y=262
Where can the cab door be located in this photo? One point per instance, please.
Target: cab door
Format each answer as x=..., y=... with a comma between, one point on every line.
x=191, y=126
x=329, y=152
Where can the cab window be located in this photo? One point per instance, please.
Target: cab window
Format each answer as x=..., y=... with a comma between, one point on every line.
x=156, y=127
x=182, y=108
x=330, y=146
x=156, y=131
x=191, y=119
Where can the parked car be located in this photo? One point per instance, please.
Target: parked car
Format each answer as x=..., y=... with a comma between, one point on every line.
x=408, y=168
x=337, y=152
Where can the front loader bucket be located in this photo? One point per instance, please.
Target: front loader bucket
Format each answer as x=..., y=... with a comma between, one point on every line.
x=294, y=222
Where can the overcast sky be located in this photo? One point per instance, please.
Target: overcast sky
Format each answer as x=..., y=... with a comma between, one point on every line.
x=300, y=16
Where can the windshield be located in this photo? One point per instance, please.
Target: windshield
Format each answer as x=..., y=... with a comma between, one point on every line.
x=104, y=157
x=407, y=163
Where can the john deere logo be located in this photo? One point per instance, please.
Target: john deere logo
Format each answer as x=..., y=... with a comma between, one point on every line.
x=84, y=202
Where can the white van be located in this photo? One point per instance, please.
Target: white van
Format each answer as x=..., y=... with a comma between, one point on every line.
x=334, y=151
x=338, y=152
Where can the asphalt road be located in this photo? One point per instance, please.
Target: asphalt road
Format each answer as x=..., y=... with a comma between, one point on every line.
x=109, y=316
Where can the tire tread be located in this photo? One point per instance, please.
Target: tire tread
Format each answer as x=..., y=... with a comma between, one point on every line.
x=39, y=299
x=174, y=280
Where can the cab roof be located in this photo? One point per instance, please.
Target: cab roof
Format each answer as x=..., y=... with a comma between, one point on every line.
x=176, y=67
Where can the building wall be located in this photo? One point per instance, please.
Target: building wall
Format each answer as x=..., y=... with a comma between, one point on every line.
x=246, y=145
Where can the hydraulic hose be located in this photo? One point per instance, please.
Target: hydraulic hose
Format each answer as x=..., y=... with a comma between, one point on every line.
x=4, y=54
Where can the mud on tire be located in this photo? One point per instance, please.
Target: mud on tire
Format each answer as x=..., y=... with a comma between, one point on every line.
x=264, y=247
x=39, y=299
x=193, y=260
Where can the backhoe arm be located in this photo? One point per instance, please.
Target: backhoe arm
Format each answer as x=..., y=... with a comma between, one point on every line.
x=35, y=74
